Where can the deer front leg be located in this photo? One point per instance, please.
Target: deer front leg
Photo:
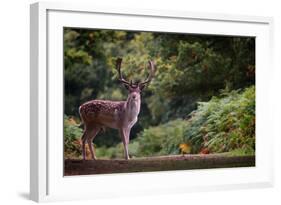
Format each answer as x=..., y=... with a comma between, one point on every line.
x=123, y=135
x=127, y=134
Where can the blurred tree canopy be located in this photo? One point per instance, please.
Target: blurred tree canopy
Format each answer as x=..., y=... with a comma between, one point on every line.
x=190, y=68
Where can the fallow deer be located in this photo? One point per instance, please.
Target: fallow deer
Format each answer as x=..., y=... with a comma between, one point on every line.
x=120, y=115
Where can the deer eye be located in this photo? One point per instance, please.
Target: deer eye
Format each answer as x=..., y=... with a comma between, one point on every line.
x=127, y=86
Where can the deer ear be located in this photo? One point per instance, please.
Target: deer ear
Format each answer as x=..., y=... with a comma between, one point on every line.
x=142, y=86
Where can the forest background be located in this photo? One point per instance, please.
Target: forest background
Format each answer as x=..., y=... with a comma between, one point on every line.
x=201, y=100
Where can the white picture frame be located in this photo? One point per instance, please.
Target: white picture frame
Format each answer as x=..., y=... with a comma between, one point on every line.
x=47, y=182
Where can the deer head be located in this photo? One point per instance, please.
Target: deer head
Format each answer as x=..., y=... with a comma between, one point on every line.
x=134, y=88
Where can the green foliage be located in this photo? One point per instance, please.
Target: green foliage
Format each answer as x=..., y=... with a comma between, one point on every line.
x=161, y=140
x=154, y=141
x=242, y=152
x=225, y=123
x=196, y=73
x=72, y=134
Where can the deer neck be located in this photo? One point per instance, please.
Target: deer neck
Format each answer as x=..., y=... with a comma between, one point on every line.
x=132, y=109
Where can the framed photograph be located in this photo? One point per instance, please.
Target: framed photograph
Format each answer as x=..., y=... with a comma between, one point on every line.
x=132, y=102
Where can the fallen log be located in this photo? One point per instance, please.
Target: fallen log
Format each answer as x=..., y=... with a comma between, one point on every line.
x=149, y=164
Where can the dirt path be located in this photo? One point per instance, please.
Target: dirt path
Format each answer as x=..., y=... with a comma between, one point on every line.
x=162, y=163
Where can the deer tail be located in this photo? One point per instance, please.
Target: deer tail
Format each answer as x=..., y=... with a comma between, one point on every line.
x=81, y=125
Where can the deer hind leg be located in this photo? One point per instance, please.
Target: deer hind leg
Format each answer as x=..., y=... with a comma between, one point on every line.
x=87, y=136
x=93, y=134
x=84, y=138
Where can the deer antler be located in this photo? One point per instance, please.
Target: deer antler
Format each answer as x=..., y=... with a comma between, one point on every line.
x=151, y=74
x=118, y=68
